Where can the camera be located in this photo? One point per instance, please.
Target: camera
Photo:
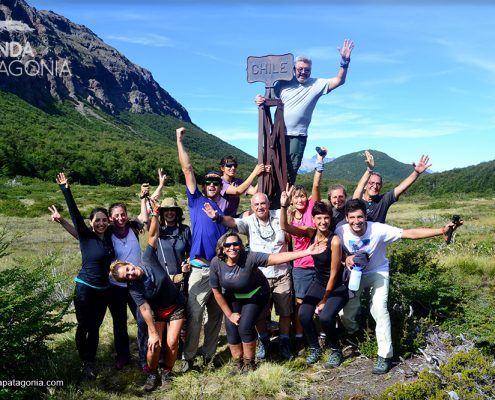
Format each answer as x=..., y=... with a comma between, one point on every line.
x=321, y=151
x=455, y=219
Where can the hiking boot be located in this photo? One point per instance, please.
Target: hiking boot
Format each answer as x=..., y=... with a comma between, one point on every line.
x=248, y=366
x=314, y=356
x=166, y=377
x=382, y=365
x=88, y=369
x=237, y=366
x=263, y=348
x=186, y=365
x=335, y=359
x=151, y=382
x=284, y=349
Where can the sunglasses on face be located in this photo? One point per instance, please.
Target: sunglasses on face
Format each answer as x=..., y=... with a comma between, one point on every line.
x=230, y=165
x=209, y=182
x=235, y=244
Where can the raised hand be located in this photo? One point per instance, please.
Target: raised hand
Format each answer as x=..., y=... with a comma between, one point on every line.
x=324, y=151
x=370, y=161
x=210, y=211
x=62, y=180
x=259, y=99
x=346, y=49
x=286, y=195
x=162, y=178
x=180, y=133
x=56, y=217
x=145, y=190
x=422, y=165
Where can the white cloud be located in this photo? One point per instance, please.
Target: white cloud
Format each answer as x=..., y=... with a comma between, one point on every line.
x=148, y=39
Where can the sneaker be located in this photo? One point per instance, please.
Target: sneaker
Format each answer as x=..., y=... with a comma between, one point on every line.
x=263, y=348
x=248, y=366
x=88, y=369
x=151, y=382
x=186, y=365
x=382, y=365
x=166, y=377
x=314, y=356
x=335, y=359
x=237, y=366
x=284, y=349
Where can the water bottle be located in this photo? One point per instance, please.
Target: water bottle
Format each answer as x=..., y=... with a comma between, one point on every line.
x=355, y=278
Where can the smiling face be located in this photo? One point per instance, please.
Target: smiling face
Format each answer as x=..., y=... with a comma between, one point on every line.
x=299, y=200
x=260, y=206
x=211, y=186
x=99, y=223
x=303, y=71
x=119, y=217
x=322, y=222
x=129, y=272
x=337, y=198
x=229, y=169
x=232, y=248
x=169, y=215
x=374, y=185
x=357, y=222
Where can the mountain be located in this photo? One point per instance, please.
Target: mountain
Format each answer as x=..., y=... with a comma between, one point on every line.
x=44, y=56
x=350, y=167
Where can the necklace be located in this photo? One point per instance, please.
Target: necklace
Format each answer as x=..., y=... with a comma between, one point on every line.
x=318, y=241
x=265, y=231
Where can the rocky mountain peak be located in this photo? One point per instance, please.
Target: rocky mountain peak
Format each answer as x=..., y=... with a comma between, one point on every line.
x=44, y=55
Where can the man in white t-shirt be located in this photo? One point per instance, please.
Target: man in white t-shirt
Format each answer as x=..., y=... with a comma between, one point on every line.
x=373, y=238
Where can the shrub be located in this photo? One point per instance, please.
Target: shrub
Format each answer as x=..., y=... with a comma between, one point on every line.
x=29, y=316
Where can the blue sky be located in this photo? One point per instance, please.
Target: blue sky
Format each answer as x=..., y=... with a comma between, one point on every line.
x=421, y=79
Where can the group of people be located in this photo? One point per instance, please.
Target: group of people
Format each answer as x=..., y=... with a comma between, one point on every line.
x=237, y=265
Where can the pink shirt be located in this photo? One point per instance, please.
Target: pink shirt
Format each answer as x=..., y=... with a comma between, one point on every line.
x=302, y=243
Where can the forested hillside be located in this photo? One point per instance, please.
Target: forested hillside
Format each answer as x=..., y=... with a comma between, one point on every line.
x=93, y=147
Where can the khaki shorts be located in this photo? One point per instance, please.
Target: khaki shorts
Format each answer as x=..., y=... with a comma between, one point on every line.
x=280, y=295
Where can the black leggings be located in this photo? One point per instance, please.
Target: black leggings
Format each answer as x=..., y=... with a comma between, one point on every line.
x=337, y=300
x=90, y=305
x=250, y=310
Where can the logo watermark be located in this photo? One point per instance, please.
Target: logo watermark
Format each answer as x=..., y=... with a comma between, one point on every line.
x=18, y=59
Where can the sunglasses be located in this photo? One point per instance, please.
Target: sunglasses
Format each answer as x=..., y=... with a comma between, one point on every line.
x=236, y=244
x=230, y=165
x=212, y=182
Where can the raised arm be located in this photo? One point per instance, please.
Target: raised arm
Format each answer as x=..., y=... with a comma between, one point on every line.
x=244, y=186
x=56, y=217
x=162, y=180
x=284, y=224
x=423, y=233
x=315, y=190
x=145, y=209
x=281, y=258
x=370, y=165
x=419, y=168
x=184, y=161
x=345, y=54
x=225, y=220
x=75, y=214
x=154, y=225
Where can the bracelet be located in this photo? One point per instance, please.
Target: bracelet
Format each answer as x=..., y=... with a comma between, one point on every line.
x=370, y=169
x=344, y=62
x=153, y=214
x=319, y=165
x=281, y=206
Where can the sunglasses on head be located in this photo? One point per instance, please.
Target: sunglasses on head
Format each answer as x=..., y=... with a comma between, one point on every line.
x=236, y=244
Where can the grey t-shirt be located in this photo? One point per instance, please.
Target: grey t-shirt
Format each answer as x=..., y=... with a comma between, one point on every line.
x=243, y=277
x=299, y=102
x=376, y=210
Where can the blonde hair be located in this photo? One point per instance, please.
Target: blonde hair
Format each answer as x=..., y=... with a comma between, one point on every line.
x=114, y=270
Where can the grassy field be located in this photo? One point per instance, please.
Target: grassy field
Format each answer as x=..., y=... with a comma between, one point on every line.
x=469, y=260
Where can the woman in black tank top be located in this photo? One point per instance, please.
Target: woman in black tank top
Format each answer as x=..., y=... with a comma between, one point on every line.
x=327, y=295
